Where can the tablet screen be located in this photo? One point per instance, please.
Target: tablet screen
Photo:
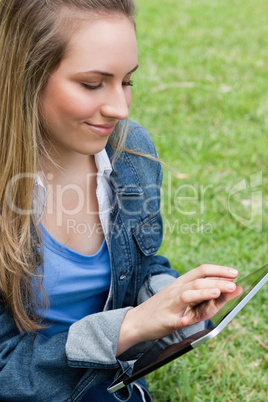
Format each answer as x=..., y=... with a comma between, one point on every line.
x=247, y=283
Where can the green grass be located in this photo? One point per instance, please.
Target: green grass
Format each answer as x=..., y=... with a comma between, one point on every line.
x=202, y=93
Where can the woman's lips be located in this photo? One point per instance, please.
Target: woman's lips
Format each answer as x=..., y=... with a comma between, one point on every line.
x=102, y=130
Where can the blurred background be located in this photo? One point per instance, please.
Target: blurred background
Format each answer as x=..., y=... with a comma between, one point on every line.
x=202, y=93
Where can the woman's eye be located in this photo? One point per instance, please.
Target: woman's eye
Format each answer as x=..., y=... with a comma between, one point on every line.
x=88, y=86
x=92, y=87
x=128, y=83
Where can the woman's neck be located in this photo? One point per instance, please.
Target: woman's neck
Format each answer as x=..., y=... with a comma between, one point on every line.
x=74, y=170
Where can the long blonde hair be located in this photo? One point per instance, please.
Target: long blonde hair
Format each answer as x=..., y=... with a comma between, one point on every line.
x=32, y=42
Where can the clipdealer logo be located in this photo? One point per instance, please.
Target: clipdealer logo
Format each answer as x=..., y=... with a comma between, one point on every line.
x=187, y=200
x=253, y=186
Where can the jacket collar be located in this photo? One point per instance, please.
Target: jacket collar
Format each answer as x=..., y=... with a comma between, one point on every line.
x=124, y=177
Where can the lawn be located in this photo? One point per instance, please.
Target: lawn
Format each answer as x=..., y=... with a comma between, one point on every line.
x=202, y=93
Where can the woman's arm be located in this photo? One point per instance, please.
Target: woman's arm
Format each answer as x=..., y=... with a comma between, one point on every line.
x=193, y=297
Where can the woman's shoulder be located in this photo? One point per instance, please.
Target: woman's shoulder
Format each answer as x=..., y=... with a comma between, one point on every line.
x=142, y=160
x=139, y=140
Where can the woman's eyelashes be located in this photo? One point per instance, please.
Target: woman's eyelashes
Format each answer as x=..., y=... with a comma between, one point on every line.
x=128, y=83
x=98, y=86
x=87, y=86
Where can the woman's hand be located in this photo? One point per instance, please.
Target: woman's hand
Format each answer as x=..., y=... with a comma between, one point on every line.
x=193, y=297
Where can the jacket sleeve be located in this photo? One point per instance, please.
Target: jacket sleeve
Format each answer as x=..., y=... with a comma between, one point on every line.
x=92, y=343
x=33, y=367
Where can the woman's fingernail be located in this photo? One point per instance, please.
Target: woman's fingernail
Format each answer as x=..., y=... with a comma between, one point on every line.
x=230, y=286
x=233, y=271
x=214, y=292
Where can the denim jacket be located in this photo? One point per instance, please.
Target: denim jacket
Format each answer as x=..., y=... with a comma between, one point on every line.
x=36, y=368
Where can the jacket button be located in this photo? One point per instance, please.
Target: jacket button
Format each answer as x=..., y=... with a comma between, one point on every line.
x=124, y=275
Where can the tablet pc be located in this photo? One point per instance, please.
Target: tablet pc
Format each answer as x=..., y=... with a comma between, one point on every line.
x=158, y=355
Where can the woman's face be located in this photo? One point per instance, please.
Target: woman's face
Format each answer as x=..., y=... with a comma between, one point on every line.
x=90, y=91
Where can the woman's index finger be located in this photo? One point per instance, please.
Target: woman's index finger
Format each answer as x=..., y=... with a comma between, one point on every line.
x=208, y=271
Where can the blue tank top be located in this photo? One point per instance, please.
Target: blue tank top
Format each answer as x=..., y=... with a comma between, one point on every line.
x=76, y=284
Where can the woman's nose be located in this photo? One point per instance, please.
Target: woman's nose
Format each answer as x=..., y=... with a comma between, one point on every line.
x=117, y=105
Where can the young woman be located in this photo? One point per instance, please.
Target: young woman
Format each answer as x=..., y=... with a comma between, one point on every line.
x=82, y=292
